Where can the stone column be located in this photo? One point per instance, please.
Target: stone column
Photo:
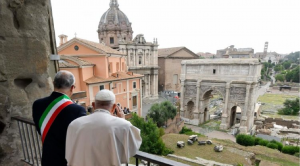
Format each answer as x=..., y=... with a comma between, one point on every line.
x=182, y=98
x=153, y=93
x=127, y=94
x=243, y=127
x=197, y=111
x=149, y=85
x=251, y=107
x=156, y=84
x=224, y=124
x=141, y=96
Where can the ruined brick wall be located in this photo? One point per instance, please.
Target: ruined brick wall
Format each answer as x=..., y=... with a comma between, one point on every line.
x=26, y=41
x=174, y=125
x=282, y=122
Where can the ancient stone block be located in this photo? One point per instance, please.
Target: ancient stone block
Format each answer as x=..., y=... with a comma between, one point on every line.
x=26, y=41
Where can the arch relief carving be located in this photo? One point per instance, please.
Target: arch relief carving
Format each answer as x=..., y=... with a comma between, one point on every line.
x=237, y=94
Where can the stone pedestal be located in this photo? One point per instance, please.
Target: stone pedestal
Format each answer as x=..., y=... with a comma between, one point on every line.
x=224, y=125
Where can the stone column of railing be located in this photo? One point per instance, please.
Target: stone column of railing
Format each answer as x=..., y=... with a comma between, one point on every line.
x=224, y=124
x=243, y=127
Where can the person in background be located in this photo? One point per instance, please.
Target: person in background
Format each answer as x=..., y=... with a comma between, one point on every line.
x=102, y=138
x=52, y=116
x=124, y=110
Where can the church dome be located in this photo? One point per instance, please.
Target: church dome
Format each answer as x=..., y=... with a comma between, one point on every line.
x=113, y=16
x=114, y=26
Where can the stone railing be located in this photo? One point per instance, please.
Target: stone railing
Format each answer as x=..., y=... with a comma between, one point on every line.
x=32, y=147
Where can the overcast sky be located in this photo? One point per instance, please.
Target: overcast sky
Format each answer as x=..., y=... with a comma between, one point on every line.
x=200, y=25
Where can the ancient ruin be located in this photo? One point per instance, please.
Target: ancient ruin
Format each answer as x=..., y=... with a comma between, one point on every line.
x=27, y=41
x=235, y=79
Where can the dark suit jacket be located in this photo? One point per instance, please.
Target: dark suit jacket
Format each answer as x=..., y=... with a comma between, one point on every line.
x=55, y=141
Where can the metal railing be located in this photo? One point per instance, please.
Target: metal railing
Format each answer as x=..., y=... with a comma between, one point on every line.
x=32, y=147
x=30, y=141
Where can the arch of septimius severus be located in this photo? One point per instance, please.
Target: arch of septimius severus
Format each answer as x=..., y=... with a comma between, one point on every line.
x=235, y=79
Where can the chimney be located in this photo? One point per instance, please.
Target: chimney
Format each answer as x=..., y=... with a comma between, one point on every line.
x=63, y=39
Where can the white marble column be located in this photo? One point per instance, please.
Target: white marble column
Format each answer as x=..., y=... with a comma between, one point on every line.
x=182, y=98
x=153, y=84
x=156, y=86
x=141, y=98
x=224, y=125
x=198, y=96
x=149, y=85
x=197, y=110
x=243, y=127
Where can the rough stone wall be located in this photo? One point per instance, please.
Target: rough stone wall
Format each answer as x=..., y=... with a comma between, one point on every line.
x=26, y=41
x=282, y=122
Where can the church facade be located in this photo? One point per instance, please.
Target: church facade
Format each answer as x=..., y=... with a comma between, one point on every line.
x=115, y=31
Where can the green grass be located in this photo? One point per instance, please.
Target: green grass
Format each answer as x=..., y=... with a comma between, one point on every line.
x=207, y=152
x=204, y=151
x=273, y=102
x=277, y=160
x=275, y=99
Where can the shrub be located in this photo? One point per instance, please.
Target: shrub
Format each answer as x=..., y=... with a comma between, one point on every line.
x=272, y=145
x=263, y=142
x=279, y=144
x=188, y=131
x=290, y=150
x=245, y=140
x=257, y=139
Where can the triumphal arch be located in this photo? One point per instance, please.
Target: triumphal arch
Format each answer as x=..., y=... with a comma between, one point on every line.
x=236, y=80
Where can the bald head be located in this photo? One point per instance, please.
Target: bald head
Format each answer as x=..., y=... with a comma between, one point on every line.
x=63, y=80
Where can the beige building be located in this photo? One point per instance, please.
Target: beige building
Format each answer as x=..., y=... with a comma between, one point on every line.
x=169, y=62
x=231, y=52
x=142, y=59
x=206, y=55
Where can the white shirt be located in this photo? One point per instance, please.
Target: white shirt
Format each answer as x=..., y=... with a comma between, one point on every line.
x=101, y=139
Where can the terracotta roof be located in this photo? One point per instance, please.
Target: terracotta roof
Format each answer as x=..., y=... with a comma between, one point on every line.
x=79, y=62
x=65, y=64
x=93, y=45
x=164, y=52
x=121, y=76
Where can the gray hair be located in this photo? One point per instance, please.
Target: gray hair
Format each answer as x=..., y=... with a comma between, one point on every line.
x=63, y=79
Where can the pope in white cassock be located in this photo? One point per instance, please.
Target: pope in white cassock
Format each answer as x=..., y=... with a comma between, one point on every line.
x=102, y=139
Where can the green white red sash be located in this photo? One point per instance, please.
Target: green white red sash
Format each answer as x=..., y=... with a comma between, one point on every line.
x=51, y=113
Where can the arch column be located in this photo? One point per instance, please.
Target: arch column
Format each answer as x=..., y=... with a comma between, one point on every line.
x=182, y=98
x=197, y=111
x=243, y=127
x=224, y=124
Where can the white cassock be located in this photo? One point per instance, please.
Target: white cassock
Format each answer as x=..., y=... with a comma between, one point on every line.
x=101, y=139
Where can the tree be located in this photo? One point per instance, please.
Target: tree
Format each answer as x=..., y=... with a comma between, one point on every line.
x=278, y=68
x=160, y=113
x=151, y=136
x=286, y=64
x=279, y=77
x=289, y=76
x=296, y=74
x=291, y=107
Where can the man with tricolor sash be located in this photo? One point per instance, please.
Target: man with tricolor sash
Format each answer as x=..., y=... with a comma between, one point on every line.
x=52, y=116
